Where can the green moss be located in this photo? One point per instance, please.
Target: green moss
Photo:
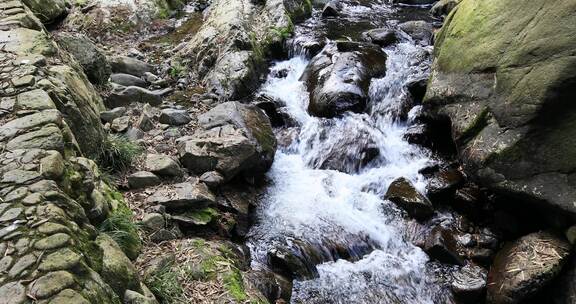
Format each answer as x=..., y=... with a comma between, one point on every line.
x=235, y=285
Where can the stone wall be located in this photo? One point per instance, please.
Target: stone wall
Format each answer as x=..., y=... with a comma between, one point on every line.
x=51, y=197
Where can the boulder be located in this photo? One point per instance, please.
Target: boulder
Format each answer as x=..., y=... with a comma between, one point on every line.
x=128, y=80
x=129, y=65
x=339, y=77
x=523, y=267
x=469, y=283
x=188, y=195
x=91, y=58
x=402, y=193
x=144, y=122
x=46, y=10
x=174, y=117
x=120, y=124
x=236, y=138
x=162, y=165
x=508, y=89
x=142, y=179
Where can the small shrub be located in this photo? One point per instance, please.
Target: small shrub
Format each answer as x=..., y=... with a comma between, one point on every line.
x=117, y=153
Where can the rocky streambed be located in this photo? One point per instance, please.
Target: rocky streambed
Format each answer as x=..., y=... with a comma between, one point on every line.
x=234, y=151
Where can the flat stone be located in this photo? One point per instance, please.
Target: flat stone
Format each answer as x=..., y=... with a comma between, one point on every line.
x=63, y=259
x=109, y=116
x=128, y=80
x=52, y=242
x=20, y=176
x=142, y=179
x=69, y=296
x=11, y=214
x=50, y=284
x=134, y=134
x=47, y=138
x=5, y=263
x=144, y=122
x=154, y=221
x=21, y=265
x=13, y=293
x=212, y=179
x=134, y=94
x=27, y=80
x=163, y=165
x=15, y=126
x=36, y=100
x=52, y=228
x=16, y=194
x=129, y=65
x=184, y=195
x=174, y=117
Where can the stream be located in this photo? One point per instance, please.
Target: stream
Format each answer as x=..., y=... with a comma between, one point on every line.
x=308, y=209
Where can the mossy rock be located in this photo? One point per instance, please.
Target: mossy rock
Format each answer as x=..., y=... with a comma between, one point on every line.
x=503, y=73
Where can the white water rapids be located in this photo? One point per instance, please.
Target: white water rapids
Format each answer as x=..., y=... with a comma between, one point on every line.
x=317, y=206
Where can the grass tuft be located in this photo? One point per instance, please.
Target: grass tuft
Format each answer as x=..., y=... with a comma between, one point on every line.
x=120, y=226
x=165, y=286
x=117, y=153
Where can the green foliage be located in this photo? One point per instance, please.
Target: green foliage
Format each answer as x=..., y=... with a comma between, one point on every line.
x=117, y=153
x=165, y=286
x=177, y=69
x=120, y=226
x=235, y=285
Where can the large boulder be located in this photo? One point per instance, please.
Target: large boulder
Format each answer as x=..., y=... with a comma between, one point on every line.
x=92, y=60
x=117, y=269
x=235, y=138
x=507, y=82
x=339, y=77
x=46, y=10
x=229, y=49
x=525, y=266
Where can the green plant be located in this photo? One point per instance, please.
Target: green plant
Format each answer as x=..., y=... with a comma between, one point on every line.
x=165, y=286
x=235, y=285
x=117, y=153
x=120, y=226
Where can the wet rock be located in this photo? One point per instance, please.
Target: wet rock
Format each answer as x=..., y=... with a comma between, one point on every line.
x=129, y=65
x=381, y=36
x=162, y=165
x=442, y=246
x=174, y=117
x=128, y=80
x=298, y=10
x=212, y=179
x=120, y=124
x=109, y=116
x=46, y=10
x=142, y=179
x=331, y=9
x=416, y=2
x=403, y=194
x=524, y=266
x=468, y=201
x=442, y=186
x=272, y=285
x=93, y=61
x=237, y=138
x=286, y=262
x=190, y=195
x=117, y=269
x=469, y=283
x=420, y=31
x=338, y=78
x=417, y=89
x=125, y=96
x=443, y=7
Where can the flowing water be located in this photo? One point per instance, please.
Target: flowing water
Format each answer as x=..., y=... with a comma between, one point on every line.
x=360, y=241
